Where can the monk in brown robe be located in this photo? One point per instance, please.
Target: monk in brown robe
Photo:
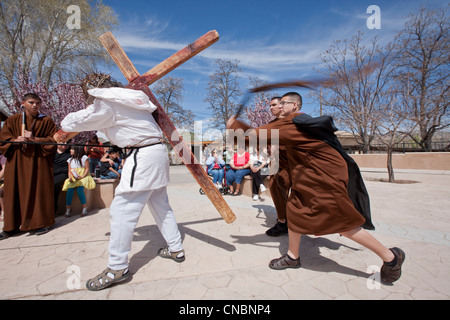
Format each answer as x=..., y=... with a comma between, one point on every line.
x=319, y=200
x=279, y=183
x=28, y=199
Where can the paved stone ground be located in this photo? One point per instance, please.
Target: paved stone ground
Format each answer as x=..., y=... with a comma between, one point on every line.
x=230, y=261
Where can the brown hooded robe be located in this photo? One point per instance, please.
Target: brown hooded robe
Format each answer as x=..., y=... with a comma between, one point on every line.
x=319, y=201
x=28, y=195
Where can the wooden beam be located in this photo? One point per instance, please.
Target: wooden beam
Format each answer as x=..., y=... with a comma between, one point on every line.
x=183, y=55
x=141, y=83
x=119, y=56
x=129, y=71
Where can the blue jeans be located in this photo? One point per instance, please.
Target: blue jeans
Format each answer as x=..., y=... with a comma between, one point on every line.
x=93, y=163
x=217, y=175
x=111, y=175
x=236, y=175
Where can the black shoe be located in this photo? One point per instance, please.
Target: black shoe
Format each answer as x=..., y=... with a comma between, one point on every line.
x=278, y=229
x=42, y=231
x=391, y=271
x=6, y=234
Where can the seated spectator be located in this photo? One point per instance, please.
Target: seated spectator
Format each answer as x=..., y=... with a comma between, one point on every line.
x=259, y=166
x=215, y=165
x=240, y=167
x=2, y=186
x=79, y=179
x=111, y=165
x=60, y=170
x=228, y=155
x=94, y=153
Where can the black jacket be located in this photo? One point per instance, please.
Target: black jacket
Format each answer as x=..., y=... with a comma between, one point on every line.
x=323, y=128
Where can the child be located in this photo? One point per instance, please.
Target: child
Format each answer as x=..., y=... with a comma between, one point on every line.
x=79, y=178
x=110, y=167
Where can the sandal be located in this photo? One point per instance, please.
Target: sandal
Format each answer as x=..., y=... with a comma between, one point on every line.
x=284, y=262
x=175, y=256
x=107, y=278
x=236, y=194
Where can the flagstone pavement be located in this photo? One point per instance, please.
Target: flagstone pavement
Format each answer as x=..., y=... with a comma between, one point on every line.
x=230, y=261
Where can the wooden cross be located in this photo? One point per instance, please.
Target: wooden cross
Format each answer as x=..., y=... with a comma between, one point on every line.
x=141, y=82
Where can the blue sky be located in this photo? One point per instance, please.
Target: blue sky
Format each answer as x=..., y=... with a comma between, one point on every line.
x=273, y=40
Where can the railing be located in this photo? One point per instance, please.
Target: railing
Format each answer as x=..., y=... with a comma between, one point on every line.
x=399, y=148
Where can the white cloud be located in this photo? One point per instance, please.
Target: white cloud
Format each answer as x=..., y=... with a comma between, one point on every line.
x=134, y=41
x=251, y=54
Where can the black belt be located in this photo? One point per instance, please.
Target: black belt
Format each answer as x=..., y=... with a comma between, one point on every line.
x=136, y=149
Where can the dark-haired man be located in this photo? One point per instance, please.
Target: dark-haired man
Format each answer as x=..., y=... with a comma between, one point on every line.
x=321, y=201
x=275, y=107
x=280, y=182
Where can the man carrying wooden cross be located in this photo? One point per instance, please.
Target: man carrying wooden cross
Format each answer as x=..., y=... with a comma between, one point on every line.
x=129, y=118
x=125, y=117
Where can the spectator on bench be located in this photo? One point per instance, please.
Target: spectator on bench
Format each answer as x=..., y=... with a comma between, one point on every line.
x=111, y=166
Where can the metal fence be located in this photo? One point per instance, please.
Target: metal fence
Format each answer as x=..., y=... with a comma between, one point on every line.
x=399, y=148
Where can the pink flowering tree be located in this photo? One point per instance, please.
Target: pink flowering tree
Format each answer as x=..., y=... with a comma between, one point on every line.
x=259, y=113
x=58, y=99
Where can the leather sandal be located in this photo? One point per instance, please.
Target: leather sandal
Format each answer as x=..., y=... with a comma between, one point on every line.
x=177, y=256
x=107, y=278
x=284, y=262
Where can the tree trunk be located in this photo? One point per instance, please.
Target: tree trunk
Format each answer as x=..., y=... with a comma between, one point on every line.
x=390, y=167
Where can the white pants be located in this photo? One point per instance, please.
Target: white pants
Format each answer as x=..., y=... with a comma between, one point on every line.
x=124, y=215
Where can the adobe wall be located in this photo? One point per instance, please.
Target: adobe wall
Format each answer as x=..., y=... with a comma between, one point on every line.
x=412, y=160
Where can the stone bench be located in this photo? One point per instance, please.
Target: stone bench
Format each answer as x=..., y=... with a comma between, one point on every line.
x=98, y=198
x=246, y=187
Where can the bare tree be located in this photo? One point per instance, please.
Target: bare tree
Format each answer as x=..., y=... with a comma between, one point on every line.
x=358, y=74
x=393, y=125
x=224, y=92
x=422, y=71
x=169, y=91
x=36, y=34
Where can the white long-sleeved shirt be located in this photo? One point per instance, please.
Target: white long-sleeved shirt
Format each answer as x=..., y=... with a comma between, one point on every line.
x=124, y=116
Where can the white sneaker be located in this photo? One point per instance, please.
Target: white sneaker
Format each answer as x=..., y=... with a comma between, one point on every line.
x=255, y=197
x=262, y=188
